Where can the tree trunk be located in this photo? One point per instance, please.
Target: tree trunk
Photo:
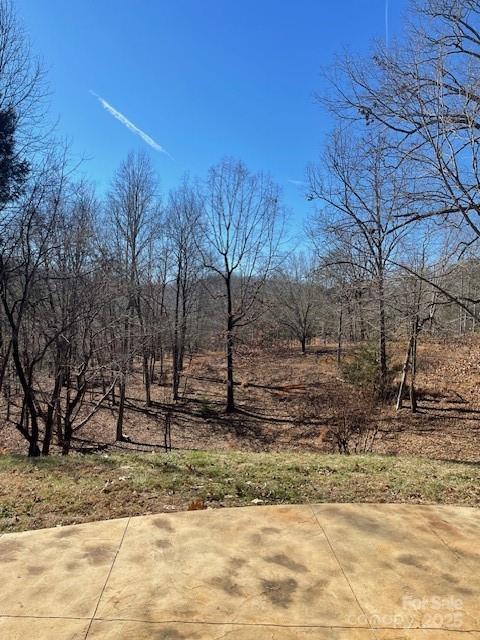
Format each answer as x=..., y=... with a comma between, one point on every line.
x=47, y=438
x=413, y=372
x=53, y=409
x=3, y=367
x=403, y=381
x=175, y=346
x=146, y=378
x=230, y=407
x=382, y=339
x=33, y=448
x=121, y=409
x=58, y=424
x=161, y=372
x=29, y=400
x=339, y=336
x=230, y=393
x=67, y=438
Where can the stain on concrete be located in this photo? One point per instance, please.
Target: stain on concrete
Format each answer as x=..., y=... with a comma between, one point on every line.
x=35, y=570
x=280, y=592
x=9, y=550
x=284, y=561
x=170, y=633
x=227, y=585
x=237, y=563
x=312, y=593
x=162, y=544
x=162, y=523
x=410, y=560
x=99, y=554
x=66, y=532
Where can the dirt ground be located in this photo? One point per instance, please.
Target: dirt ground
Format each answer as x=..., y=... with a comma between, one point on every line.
x=273, y=390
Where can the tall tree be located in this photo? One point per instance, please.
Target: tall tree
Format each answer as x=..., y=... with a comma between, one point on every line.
x=183, y=221
x=239, y=245
x=31, y=178
x=133, y=210
x=361, y=197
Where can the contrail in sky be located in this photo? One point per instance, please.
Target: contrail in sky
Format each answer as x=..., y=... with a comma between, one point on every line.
x=125, y=121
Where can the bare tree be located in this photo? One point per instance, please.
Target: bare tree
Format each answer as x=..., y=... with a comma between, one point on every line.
x=24, y=256
x=362, y=197
x=296, y=298
x=133, y=210
x=240, y=245
x=76, y=288
x=420, y=301
x=183, y=221
x=22, y=90
x=426, y=92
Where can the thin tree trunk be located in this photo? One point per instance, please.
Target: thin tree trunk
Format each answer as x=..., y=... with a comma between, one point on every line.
x=162, y=366
x=146, y=377
x=230, y=383
x=121, y=409
x=4, y=365
x=339, y=335
x=230, y=408
x=382, y=338
x=175, y=349
x=413, y=372
x=403, y=380
x=58, y=424
x=30, y=408
x=52, y=411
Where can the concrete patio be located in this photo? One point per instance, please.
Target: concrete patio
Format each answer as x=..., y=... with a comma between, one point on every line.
x=356, y=572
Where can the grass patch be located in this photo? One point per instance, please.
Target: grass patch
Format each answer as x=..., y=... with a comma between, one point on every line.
x=51, y=491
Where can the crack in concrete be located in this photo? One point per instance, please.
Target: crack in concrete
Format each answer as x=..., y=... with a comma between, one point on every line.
x=342, y=570
x=108, y=577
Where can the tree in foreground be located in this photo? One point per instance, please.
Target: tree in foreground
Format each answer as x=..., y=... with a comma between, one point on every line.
x=239, y=245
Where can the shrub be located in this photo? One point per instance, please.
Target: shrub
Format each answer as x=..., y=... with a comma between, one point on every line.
x=347, y=413
x=363, y=371
x=351, y=428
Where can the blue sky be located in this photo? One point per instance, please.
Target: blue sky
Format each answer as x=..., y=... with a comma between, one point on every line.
x=203, y=78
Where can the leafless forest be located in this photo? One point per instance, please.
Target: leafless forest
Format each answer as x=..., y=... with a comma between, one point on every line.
x=205, y=318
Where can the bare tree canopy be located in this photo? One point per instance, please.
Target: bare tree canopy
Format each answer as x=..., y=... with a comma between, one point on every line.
x=240, y=244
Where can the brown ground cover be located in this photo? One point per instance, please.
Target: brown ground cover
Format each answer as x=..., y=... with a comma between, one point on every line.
x=274, y=391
